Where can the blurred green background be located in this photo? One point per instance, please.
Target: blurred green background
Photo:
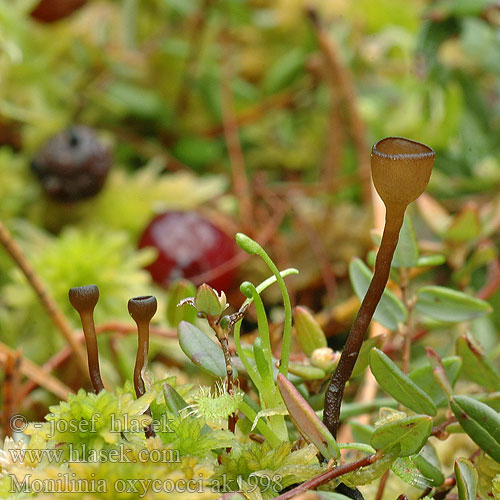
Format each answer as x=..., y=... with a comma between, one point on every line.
x=260, y=114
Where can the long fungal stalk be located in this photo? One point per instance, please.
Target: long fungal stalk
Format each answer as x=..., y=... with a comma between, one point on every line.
x=401, y=169
x=84, y=300
x=142, y=309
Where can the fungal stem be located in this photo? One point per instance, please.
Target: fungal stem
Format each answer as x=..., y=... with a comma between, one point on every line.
x=335, y=391
x=84, y=300
x=142, y=309
x=401, y=169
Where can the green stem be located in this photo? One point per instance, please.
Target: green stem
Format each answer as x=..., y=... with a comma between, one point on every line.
x=252, y=247
x=252, y=372
x=261, y=426
x=287, y=328
x=262, y=324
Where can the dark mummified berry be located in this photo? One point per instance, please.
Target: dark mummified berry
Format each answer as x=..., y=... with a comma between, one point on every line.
x=49, y=11
x=73, y=164
x=189, y=246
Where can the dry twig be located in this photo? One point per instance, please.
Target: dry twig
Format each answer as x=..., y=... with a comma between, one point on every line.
x=231, y=134
x=36, y=374
x=46, y=299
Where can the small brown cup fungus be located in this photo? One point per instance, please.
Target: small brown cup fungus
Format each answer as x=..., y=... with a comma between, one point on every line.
x=401, y=169
x=84, y=300
x=142, y=310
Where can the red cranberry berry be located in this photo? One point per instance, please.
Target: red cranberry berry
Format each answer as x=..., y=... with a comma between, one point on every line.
x=49, y=11
x=73, y=164
x=188, y=246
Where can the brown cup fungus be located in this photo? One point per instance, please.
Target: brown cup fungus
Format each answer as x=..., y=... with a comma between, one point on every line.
x=84, y=300
x=142, y=310
x=401, y=169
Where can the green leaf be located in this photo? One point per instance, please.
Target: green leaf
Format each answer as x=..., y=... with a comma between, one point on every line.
x=364, y=354
x=202, y=351
x=306, y=372
x=361, y=432
x=406, y=469
x=370, y=473
x=406, y=254
x=466, y=226
x=207, y=301
x=263, y=362
x=174, y=401
x=480, y=422
x=364, y=447
x=431, y=260
x=438, y=371
x=179, y=290
x=306, y=421
x=284, y=70
x=398, y=385
x=428, y=464
x=424, y=378
x=443, y=9
x=390, y=310
x=309, y=333
x=410, y=432
x=467, y=479
x=136, y=100
x=449, y=305
x=477, y=367
x=197, y=152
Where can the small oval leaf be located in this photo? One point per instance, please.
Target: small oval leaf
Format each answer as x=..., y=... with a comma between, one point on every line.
x=476, y=367
x=306, y=372
x=202, y=351
x=428, y=464
x=410, y=432
x=448, y=305
x=480, y=422
x=406, y=469
x=309, y=333
x=207, y=301
x=431, y=260
x=398, y=385
x=406, y=254
x=424, y=378
x=390, y=310
x=174, y=401
x=467, y=479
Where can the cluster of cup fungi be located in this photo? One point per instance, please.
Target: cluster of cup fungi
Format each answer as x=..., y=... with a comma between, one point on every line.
x=401, y=170
x=142, y=309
